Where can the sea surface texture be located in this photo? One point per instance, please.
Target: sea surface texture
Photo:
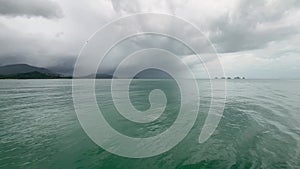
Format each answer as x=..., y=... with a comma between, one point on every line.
x=260, y=127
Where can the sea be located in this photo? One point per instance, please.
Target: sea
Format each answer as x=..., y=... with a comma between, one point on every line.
x=259, y=128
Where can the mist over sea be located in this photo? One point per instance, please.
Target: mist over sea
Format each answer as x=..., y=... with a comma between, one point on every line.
x=260, y=127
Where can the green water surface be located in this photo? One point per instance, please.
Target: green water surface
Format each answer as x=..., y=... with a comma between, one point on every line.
x=260, y=127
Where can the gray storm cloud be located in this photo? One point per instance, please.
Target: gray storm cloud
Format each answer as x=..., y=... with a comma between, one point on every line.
x=254, y=24
x=259, y=33
x=30, y=8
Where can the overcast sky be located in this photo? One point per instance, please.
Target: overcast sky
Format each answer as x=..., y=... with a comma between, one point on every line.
x=254, y=38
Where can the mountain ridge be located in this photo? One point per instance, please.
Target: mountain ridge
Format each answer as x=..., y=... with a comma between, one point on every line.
x=25, y=71
x=22, y=68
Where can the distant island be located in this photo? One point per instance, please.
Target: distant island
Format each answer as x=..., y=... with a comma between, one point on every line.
x=97, y=76
x=31, y=75
x=24, y=71
x=237, y=77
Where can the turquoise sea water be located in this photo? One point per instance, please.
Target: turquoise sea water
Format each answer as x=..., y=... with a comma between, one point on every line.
x=260, y=127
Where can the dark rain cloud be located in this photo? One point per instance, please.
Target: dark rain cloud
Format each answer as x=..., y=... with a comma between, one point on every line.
x=30, y=8
x=253, y=25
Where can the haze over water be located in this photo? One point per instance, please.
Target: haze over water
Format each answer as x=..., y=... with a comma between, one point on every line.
x=260, y=127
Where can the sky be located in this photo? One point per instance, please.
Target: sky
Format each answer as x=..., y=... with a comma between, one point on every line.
x=254, y=38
